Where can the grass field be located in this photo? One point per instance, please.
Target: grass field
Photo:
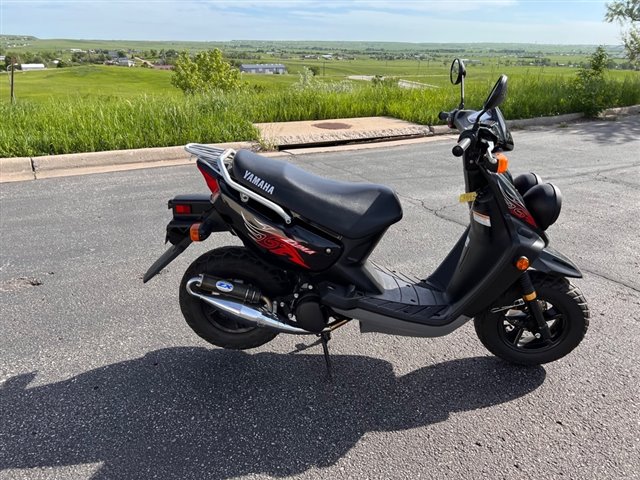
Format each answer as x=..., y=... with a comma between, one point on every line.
x=100, y=81
x=94, y=108
x=89, y=81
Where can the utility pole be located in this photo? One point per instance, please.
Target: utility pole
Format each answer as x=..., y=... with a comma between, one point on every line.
x=13, y=67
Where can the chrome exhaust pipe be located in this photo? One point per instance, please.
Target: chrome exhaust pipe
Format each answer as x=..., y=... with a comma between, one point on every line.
x=243, y=312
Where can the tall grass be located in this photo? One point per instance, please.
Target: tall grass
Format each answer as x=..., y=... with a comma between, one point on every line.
x=94, y=124
x=90, y=125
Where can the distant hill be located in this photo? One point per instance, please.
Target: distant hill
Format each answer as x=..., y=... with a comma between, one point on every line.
x=28, y=42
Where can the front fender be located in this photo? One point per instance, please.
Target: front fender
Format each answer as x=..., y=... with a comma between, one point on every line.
x=553, y=262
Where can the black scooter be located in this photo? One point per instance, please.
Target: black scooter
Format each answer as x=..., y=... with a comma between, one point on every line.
x=304, y=267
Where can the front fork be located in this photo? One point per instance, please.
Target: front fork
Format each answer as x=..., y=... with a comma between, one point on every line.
x=530, y=298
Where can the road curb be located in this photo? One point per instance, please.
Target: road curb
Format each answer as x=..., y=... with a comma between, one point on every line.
x=545, y=121
x=632, y=110
x=16, y=169
x=50, y=166
x=62, y=165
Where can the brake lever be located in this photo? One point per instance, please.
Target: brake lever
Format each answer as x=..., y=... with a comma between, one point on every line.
x=489, y=153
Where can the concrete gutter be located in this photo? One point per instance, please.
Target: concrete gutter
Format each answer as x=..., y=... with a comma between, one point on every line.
x=339, y=130
x=394, y=132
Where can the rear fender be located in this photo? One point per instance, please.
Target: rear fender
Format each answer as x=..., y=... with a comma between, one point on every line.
x=187, y=211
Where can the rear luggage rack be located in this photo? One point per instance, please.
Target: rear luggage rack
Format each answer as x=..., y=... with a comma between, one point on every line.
x=217, y=156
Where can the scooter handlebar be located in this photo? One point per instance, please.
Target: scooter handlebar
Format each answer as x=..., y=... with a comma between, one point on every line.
x=443, y=116
x=461, y=147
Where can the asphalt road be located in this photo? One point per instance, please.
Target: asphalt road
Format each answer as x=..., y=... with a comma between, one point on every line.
x=103, y=379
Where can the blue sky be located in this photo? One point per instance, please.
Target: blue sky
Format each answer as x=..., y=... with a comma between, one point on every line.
x=441, y=21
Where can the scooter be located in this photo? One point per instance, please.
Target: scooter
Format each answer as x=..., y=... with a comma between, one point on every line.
x=305, y=269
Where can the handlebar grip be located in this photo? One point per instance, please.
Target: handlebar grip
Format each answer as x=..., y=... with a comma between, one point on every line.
x=443, y=116
x=461, y=147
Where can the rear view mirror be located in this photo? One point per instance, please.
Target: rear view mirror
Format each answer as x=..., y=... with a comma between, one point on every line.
x=457, y=72
x=497, y=95
x=456, y=75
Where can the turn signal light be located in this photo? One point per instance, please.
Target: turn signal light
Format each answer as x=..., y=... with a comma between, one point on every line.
x=503, y=162
x=522, y=263
x=194, y=232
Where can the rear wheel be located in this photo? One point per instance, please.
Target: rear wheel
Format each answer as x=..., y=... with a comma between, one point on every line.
x=512, y=334
x=239, y=265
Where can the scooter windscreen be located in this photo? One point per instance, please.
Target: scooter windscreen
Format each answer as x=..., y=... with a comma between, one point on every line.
x=494, y=120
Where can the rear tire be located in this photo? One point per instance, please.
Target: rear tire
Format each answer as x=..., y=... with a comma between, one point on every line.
x=219, y=328
x=508, y=334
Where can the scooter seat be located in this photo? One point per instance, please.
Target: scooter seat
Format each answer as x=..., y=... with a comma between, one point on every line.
x=354, y=210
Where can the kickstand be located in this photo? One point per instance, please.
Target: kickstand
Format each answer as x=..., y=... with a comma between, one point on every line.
x=324, y=338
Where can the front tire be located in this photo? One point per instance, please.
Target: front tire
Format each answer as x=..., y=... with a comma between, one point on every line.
x=219, y=328
x=510, y=334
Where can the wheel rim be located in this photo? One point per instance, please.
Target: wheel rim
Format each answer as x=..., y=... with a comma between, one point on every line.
x=222, y=320
x=518, y=328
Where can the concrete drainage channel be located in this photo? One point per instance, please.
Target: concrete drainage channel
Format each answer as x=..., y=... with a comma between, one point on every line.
x=325, y=133
x=283, y=138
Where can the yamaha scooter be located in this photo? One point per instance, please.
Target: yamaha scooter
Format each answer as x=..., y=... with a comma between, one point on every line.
x=304, y=268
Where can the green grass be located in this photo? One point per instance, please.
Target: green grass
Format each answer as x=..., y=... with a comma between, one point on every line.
x=90, y=81
x=87, y=125
x=103, y=108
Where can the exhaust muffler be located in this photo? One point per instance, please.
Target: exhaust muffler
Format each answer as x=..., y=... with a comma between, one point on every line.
x=242, y=312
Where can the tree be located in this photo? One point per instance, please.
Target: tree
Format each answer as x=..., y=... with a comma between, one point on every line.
x=627, y=14
x=204, y=72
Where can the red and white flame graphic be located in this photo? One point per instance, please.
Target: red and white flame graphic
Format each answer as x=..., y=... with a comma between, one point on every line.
x=270, y=238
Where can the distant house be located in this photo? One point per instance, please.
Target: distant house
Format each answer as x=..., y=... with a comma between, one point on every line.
x=32, y=66
x=125, y=62
x=2, y=57
x=263, y=68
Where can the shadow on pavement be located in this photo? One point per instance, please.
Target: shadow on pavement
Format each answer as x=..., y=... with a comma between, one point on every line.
x=618, y=131
x=198, y=413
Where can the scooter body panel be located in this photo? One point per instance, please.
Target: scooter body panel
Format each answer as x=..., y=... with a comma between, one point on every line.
x=553, y=262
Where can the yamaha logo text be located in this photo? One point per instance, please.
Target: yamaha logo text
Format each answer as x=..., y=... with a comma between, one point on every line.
x=258, y=182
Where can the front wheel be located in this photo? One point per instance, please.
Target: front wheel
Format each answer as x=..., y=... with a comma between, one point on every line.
x=511, y=334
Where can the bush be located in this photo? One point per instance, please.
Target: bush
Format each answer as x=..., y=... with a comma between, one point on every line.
x=206, y=72
x=308, y=81
x=592, y=94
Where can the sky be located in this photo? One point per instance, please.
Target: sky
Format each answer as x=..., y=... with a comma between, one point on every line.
x=439, y=21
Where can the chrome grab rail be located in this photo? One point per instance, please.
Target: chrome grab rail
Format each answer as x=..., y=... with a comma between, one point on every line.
x=205, y=151
x=219, y=156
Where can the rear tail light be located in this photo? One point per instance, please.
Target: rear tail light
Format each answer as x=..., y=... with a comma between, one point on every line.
x=212, y=183
x=182, y=209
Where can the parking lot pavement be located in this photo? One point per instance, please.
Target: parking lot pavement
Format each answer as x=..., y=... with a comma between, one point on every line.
x=103, y=379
